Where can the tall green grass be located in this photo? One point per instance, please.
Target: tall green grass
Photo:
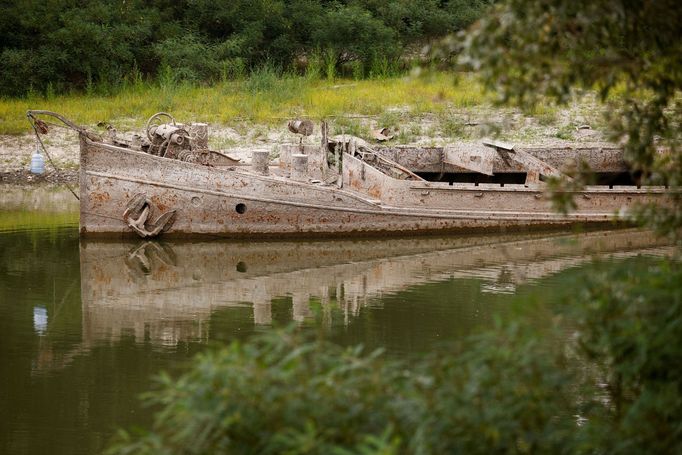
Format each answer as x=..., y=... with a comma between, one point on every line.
x=266, y=96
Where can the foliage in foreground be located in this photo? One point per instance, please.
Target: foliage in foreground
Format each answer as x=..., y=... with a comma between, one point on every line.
x=617, y=388
x=630, y=322
x=277, y=394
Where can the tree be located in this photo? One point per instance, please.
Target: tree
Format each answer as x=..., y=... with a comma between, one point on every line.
x=354, y=33
x=69, y=44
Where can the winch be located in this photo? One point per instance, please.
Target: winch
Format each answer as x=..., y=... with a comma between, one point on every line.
x=171, y=133
x=166, y=139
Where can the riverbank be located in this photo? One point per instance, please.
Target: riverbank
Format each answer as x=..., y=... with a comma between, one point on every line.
x=21, y=177
x=260, y=99
x=252, y=114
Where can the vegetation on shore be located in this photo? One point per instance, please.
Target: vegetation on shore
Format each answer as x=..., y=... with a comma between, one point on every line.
x=424, y=106
x=66, y=45
x=265, y=97
x=615, y=387
x=254, y=63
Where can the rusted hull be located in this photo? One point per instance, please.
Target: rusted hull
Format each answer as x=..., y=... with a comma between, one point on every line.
x=235, y=203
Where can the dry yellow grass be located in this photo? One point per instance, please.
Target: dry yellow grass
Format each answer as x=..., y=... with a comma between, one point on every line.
x=259, y=99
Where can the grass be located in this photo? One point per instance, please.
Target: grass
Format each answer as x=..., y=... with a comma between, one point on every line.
x=566, y=132
x=352, y=126
x=263, y=98
x=544, y=113
x=452, y=127
x=430, y=109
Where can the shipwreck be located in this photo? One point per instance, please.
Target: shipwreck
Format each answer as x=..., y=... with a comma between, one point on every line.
x=168, y=181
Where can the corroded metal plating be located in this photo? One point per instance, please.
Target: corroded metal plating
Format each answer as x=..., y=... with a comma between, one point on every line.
x=234, y=201
x=344, y=186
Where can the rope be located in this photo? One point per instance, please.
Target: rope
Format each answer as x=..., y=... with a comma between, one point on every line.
x=56, y=125
x=42, y=146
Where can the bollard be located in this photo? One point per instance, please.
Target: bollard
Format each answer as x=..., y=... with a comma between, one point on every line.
x=299, y=167
x=198, y=134
x=260, y=160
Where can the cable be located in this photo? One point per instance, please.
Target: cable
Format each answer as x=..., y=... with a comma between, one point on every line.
x=42, y=146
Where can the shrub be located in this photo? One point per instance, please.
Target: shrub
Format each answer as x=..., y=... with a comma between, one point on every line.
x=232, y=69
x=314, y=63
x=281, y=394
x=69, y=43
x=631, y=328
x=263, y=79
x=277, y=395
x=331, y=60
x=189, y=58
x=352, y=33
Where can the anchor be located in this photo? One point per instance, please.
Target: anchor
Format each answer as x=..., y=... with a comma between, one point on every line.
x=137, y=214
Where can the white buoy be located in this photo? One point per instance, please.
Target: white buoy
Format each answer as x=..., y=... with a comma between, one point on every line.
x=37, y=163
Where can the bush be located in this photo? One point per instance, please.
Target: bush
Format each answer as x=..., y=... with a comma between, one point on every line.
x=352, y=33
x=77, y=44
x=281, y=394
x=631, y=328
x=189, y=58
x=506, y=392
x=18, y=73
x=277, y=395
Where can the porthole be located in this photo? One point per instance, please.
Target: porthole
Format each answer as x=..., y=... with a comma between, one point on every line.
x=240, y=208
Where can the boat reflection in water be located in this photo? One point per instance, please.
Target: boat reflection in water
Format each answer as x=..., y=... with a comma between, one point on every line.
x=165, y=293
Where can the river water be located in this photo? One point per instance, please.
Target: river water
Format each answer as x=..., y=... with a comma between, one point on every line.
x=85, y=325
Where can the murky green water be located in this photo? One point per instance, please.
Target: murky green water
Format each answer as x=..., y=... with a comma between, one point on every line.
x=85, y=325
